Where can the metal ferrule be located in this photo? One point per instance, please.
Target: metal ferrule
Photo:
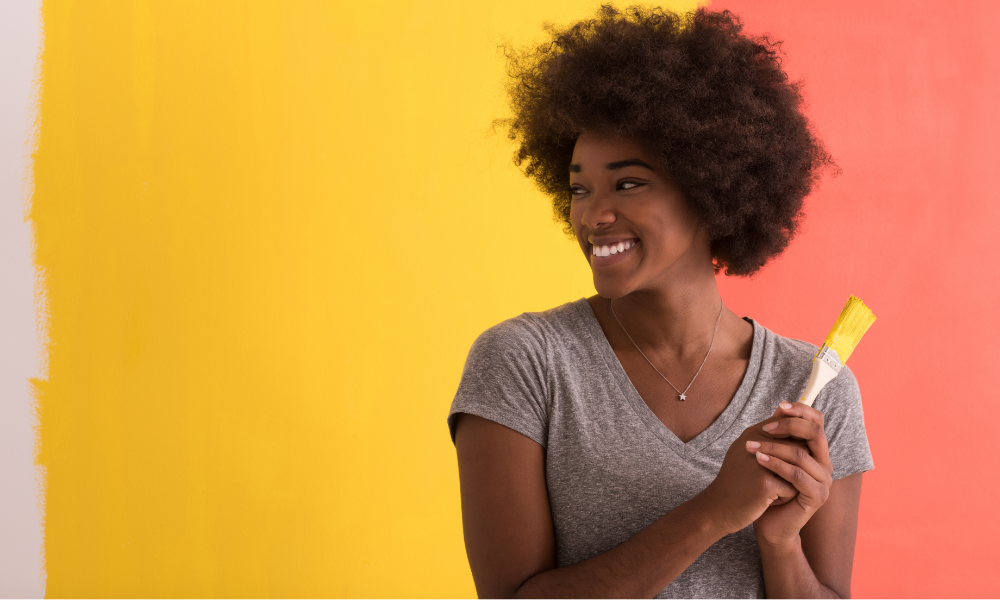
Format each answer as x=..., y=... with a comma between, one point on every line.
x=830, y=357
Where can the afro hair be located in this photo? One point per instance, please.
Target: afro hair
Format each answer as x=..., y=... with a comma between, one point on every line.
x=711, y=103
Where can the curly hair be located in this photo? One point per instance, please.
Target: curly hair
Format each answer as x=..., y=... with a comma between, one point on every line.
x=710, y=103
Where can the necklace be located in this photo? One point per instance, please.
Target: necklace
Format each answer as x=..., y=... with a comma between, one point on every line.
x=683, y=395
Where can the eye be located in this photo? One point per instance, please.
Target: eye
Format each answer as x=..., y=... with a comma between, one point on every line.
x=629, y=185
x=577, y=190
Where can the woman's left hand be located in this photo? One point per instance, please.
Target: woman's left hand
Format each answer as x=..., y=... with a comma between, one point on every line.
x=808, y=470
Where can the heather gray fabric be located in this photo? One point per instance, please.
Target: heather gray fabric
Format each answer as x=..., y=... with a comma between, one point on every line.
x=612, y=467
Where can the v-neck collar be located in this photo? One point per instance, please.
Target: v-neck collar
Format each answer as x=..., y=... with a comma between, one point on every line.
x=647, y=416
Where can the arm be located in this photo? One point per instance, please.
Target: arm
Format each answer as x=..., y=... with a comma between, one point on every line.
x=807, y=547
x=510, y=539
x=508, y=523
x=818, y=564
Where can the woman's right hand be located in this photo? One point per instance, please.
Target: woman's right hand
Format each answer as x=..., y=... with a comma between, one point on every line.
x=743, y=490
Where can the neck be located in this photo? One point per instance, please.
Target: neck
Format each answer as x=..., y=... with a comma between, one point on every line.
x=680, y=319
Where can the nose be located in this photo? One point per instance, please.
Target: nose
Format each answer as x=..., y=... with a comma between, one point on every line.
x=599, y=210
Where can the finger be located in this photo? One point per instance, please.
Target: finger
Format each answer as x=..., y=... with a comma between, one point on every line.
x=792, y=427
x=759, y=435
x=755, y=429
x=812, y=493
x=754, y=441
x=753, y=445
x=788, y=409
x=806, y=413
x=794, y=454
x=779, y=490
x=809, y=431
x=800, y=410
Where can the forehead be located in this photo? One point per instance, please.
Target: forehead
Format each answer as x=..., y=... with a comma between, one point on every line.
x=593, y=149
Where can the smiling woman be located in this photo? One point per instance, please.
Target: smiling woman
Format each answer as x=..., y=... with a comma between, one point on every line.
x=641, y=442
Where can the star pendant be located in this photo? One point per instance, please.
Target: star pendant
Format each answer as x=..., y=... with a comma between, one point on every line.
x=683, y=397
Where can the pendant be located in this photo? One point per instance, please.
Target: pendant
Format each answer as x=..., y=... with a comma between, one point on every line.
x=683, y=397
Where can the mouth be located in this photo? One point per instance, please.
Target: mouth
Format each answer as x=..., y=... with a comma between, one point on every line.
x=605, y=255
x=610, y=249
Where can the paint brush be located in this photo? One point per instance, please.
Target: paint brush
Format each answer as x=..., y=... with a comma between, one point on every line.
x=853, y=322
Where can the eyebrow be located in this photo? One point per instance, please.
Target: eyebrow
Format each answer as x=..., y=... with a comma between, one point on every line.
x=632, y=162
x=614, y=166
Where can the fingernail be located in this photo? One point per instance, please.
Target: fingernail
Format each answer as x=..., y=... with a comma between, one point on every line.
x=785, y=405
x=763, y=456
x=753, y=445
x=770, y=426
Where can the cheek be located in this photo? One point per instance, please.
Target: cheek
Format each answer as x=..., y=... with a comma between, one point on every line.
x=575, y=218
x=668, y=234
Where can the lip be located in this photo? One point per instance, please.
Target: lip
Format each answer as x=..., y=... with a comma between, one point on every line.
x=613, y=259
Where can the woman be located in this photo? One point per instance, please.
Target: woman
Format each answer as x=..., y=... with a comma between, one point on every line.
x=645, y=441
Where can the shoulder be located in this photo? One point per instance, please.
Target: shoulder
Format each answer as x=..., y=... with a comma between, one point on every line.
x=789, y=350
x=525, y=348
x=506, y=375
x=530, y=333
x=787, y=363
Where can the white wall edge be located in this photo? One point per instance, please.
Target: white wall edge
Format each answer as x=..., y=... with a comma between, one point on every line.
x=22, y=484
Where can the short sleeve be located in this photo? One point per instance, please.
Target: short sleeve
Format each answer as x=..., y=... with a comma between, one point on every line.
x=504, y=379
x=844, y=423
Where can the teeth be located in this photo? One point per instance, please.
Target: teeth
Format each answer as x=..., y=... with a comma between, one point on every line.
x=611, y=249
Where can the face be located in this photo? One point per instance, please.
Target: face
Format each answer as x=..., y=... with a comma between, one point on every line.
x=632, y=223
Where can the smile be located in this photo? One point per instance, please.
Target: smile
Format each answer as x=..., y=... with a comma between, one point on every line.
x=609, y=249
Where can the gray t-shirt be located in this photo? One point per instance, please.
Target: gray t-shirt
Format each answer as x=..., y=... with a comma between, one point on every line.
x=612, y=468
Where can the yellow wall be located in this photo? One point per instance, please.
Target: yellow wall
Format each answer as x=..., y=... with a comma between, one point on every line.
x=269, y=233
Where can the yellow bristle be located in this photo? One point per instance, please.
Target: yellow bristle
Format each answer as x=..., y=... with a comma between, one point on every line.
x=852, y=323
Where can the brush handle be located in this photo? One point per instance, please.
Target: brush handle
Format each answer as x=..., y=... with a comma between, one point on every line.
x=821, y=375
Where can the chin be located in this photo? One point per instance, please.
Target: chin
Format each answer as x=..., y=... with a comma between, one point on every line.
x=612, y=287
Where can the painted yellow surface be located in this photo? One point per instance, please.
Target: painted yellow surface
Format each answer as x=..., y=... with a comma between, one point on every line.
x=270, y=232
